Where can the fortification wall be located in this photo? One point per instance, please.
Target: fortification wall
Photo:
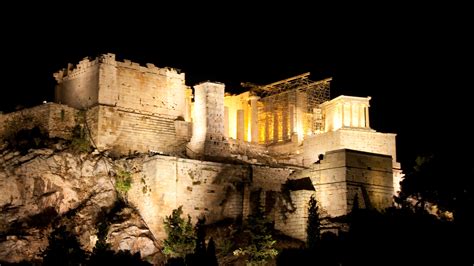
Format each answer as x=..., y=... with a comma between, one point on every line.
x=362, y=140
x=214, y=190
x=344, y=173
x=371, y=178
x=56, y=120
x=78, y=87
x=294, y=224
x=123, y=84
x=126, y=131
x=202, y=188
x=150, y=89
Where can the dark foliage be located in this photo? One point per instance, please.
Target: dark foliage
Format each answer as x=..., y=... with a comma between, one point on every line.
x=25, y=139
x=211, y=253
x=63, y=249
x=313, y=231
x=442, y=179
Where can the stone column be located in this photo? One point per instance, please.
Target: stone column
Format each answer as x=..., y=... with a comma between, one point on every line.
x=284, y=121
x=360, y=116
x=275, y=127
x=254, y=118
x=226, y=121
x=267, y=128
x=240, y=125
x=291, y=111
x=351, y=122
x=342, y=115
x=366, y=108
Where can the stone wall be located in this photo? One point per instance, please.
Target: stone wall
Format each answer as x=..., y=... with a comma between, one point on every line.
x=150, y=89
x=344, y=173
x=56, y=120
x=202, y=188
x=127, y=131
x=78, y=87
x=294, y=224
x=127, y=85
x=215, y=190
x=362, y=140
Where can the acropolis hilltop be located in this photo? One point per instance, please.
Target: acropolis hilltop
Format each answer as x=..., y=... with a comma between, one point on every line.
x=213, y=151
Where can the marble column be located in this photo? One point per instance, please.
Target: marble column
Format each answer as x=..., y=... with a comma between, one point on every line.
x=240, y=125
x=254, y=118
x=367, y=125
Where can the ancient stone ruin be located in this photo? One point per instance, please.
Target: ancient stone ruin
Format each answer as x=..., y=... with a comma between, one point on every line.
x=215, y=153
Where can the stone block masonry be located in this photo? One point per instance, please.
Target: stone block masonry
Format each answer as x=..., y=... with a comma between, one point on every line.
x=56, y=120
x=130, y=107
x=343, y=174
x=294, y=223
x=213, y=190
x=126, y=131
x=276, y=139
x=105, y=81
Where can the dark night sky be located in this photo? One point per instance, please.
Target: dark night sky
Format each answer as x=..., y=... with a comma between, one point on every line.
x=410, y=62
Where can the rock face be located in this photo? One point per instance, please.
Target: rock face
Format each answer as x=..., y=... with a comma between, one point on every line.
x=50, y=187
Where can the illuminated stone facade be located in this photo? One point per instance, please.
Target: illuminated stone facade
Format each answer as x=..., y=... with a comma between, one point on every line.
x=264, y=141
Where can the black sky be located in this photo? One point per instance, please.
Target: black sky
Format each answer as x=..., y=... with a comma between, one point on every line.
x=415, y=63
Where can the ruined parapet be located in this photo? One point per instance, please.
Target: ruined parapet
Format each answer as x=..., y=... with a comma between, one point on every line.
x=54, y=120
x=105, y=81
x=130, y=107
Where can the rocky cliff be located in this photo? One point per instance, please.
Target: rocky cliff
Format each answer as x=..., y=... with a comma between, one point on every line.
x=54, y=187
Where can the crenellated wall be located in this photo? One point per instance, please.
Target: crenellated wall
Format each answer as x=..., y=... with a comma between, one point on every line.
x=125, y=84
x=130, y=107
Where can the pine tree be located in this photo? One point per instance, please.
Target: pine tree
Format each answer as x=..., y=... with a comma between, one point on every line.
x=181, y=240
x=211, y=253
x=261, y=248
x=313, y=230
x=63, y=249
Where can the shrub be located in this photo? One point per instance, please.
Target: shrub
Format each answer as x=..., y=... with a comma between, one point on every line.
x=181, y=240
x=80, y=140
x=123, y=181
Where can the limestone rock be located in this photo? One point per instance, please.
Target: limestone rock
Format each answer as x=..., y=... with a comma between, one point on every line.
x=46, y=188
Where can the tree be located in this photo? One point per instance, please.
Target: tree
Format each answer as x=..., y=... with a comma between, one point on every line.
x=63, y=249
x=260, y=249
x=444, y=180
x=181, y=240
x=313, y=232
x=200, y=237
x=211, y=253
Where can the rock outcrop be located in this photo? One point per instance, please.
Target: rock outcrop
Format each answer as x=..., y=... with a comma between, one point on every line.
x=46, y=188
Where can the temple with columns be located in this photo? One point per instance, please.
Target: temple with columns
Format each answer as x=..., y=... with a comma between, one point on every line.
x=282, y=133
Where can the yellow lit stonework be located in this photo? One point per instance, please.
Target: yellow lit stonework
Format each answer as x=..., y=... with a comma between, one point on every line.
x=346, y=112
x=265, y=136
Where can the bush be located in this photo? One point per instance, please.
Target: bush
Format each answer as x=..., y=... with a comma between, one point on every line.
x=80, y=140
x=181, y=240
x=260, y=249
x=123, y=181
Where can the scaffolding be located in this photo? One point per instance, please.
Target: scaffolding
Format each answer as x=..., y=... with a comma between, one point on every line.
x=290, y=107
